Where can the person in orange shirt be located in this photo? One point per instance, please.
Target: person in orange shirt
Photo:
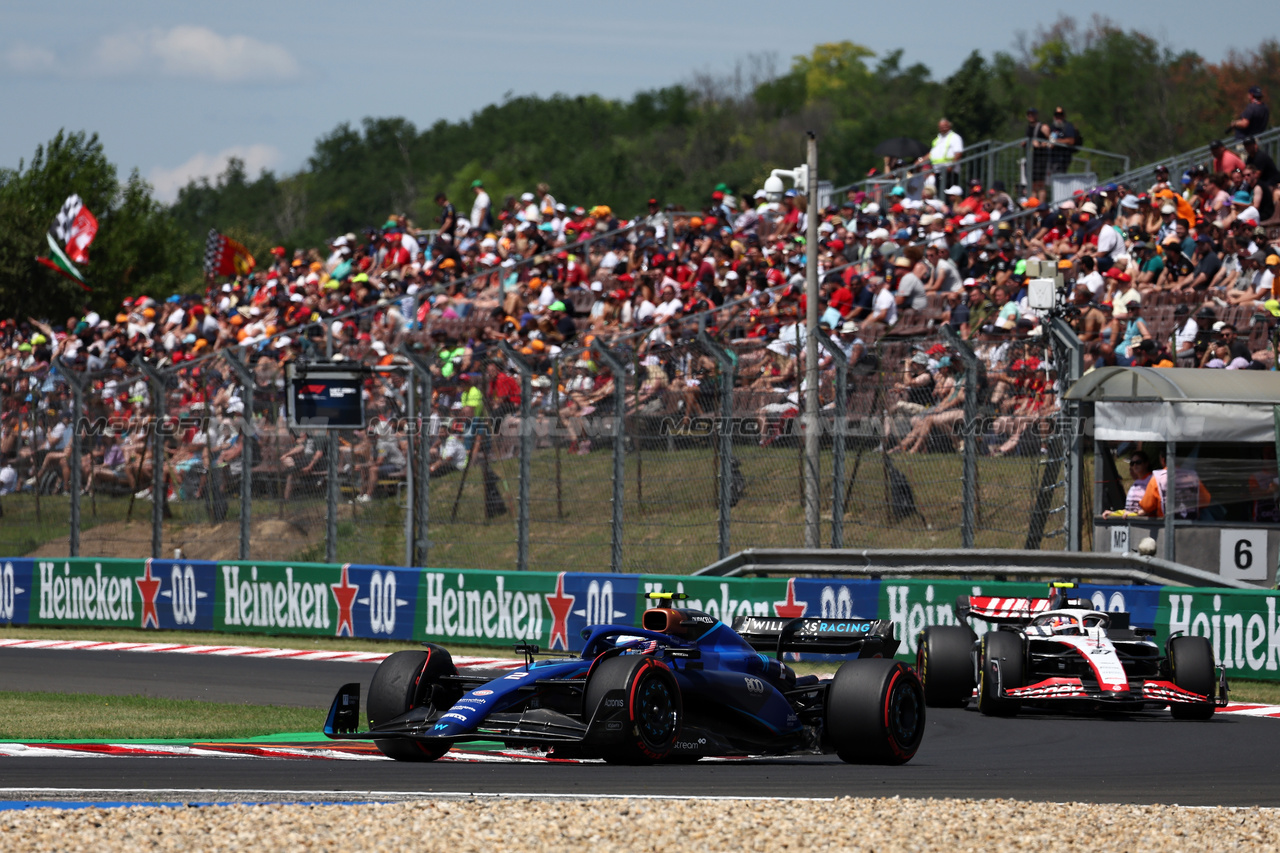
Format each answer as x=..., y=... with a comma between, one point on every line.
x=1189, y=498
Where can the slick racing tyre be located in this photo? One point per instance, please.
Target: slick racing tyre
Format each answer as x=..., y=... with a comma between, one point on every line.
x=944, y=660
x=652, y=708
x=1003, y=650
x=407, y=680
x=875, y=712
x=1191, y=665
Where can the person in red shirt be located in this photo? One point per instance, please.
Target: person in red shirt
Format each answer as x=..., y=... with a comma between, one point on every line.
x=842, y=299
x=503, y=390
x=1224, y=159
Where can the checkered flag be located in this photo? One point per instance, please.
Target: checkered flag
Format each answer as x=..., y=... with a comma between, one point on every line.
x=213, y=251
x=63, y=222
x=224, y=256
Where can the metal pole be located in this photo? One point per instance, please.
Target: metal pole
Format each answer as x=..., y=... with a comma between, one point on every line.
x=421, y=501
x=811, y=405
x=969, y=453
x=526, y=453
x=619, y=450
x=413, y=437
x=1065, y=336
x=838, y=441
x=77, y=383
x=331, y=497
x=1170, y=494
x=726, y=364
x=157, y=382
x=246, y=450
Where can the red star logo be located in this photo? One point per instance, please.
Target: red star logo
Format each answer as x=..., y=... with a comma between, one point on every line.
x=790, y=608
x=149, y=588
x=560, y=604
x=345, y=593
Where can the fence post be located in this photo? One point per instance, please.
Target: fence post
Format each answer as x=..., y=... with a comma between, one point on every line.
x=841, y=423
x=1064, y=335
x=526, y=453
x=725, y=433
x=619, y=450
x=331, y=496
x=969, y=457
x=77, y=383
x=246, y=449
x=421, y=500
x=158, y=496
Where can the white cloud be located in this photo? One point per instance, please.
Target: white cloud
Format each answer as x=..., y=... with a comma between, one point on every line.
x=187, y=51
x=29, y=59
x=181, y=51
x=167, y=182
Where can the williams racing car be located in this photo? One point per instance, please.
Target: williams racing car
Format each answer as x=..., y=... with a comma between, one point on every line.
x=1059, y=652
x=682, y=687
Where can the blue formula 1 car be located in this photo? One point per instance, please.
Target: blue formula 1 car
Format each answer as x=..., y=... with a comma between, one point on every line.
x=682, y=687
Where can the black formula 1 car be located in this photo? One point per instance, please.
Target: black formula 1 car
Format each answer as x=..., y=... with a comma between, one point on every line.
x=1059, y=652
x=682, y=687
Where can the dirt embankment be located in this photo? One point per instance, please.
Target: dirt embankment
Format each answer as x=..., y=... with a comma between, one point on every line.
x=271, y=539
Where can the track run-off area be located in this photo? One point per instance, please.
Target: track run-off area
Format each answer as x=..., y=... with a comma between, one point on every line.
x=1141, y=758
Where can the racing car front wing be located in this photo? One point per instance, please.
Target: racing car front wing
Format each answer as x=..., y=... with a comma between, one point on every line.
x=1152, y=692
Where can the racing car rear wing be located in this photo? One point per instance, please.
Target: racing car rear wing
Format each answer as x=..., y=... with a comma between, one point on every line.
x=1017, y=611
x=863, y=637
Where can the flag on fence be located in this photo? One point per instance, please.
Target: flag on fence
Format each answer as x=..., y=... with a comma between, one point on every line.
x=224, y=256
x=69, y=236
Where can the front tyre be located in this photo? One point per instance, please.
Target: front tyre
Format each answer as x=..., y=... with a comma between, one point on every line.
x=404, y=681
x=1191, y=665
x=944, y=660
x=1000, y=650
x=651, y=703
x=875, y=712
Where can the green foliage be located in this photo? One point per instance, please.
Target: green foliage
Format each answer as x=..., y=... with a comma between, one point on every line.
x=1124, y=90
x=139, y=247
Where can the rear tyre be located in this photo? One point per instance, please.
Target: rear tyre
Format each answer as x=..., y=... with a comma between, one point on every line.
x=1191, y=664
x=875, y=712
x=1002, y=650
x=944, y=661
x=651, y=704
x=404, y=681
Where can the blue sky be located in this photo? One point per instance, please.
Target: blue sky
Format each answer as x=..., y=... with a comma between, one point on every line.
x=174, y=89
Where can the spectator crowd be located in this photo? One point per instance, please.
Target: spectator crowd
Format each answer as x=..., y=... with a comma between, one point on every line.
x=1179, y=270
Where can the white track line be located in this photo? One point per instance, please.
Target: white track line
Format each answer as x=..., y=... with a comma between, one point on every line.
x=239, y=651
x=398, y=795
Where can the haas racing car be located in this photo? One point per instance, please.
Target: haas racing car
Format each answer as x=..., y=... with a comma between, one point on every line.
x=1060, y=652
x=682, y=687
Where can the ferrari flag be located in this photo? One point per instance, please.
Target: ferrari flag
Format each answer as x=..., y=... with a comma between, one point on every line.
x=69, y=236
x=224, y=256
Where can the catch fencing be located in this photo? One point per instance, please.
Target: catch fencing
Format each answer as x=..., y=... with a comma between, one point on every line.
x=663, y=451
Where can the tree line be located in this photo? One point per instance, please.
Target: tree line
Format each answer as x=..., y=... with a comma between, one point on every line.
x=1124, y=90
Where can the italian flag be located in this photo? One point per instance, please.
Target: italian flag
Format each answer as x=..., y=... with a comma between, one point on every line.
x=60, y=263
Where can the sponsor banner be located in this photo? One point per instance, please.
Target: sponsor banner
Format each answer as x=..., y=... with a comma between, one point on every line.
x=729, y=598
x=498, y=608
x=1244, y=627
x=279, y=598
x=1141, y=602
x=913, y=605
x=15, y=590
x=120, y=593
x=385, y=601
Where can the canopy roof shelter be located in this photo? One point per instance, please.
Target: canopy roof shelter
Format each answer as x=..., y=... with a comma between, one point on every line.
x=1180, y=403
x=1172, y=405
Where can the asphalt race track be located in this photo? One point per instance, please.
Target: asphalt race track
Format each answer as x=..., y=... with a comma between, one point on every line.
x=1230, y=760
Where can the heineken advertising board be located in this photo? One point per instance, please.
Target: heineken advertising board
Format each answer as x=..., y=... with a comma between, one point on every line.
x=552, y=609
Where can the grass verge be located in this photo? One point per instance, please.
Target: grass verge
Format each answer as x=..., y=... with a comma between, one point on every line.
x=62, y=716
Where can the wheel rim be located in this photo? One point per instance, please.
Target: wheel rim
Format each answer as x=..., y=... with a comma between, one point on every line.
x=904, y=714
x=655, y=711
